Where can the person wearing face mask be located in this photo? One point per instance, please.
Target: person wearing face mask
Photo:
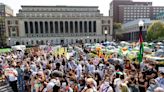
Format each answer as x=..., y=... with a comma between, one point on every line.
x=105, y=87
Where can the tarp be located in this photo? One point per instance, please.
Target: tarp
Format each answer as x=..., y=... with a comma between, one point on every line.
x=19, y=47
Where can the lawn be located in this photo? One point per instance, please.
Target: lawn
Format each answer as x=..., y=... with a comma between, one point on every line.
x=5, y=50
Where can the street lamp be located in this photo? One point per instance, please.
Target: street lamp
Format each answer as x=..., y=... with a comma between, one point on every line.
x=9, y=40
x=106, y=32
x=140, y=24
x=29, y=41
x=88, y=38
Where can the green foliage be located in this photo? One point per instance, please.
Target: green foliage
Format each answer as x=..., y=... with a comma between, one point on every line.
x=3, y=36
x=117, y=26
x=155, y=31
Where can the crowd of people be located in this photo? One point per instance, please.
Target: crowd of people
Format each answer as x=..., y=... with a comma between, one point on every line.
x=45, y=72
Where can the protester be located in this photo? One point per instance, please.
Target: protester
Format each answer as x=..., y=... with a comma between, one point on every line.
x=49, y=71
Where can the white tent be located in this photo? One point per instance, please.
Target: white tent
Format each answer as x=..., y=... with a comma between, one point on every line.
x=19, y=47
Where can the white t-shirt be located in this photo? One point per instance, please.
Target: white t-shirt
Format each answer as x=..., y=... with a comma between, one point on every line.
x=12, y=74
x=52, y=83
x=105, y=87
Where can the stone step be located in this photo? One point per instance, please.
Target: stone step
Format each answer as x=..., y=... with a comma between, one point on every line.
x=5, y=88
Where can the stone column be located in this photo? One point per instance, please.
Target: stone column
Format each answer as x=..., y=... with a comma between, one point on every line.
x=83, y=28
x=29, y=29
x=59, y=27
x=73, y=27
x=78, y=23
x=69, y=27
x=54, y=27
x=48, y=23
x=87, y=27
x=34, y=31
x=44, y=27
x=39, y=31
x=64, y=27
x=92, y=22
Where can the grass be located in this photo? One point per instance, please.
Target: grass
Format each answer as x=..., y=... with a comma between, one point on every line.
x=5, y=50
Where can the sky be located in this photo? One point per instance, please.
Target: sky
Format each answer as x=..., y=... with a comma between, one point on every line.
x=103, y=4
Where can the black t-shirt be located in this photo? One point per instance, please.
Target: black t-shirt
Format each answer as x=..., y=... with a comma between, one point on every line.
x=118, y=67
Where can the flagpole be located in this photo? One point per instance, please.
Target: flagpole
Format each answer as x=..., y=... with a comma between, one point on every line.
x=140, y=56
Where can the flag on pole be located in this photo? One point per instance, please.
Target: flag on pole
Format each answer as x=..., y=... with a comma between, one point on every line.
x=140, y=55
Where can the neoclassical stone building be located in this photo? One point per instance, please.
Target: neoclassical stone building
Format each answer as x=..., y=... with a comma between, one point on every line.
x=58, y=24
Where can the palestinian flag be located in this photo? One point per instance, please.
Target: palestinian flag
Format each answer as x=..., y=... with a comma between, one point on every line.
x=140, y=55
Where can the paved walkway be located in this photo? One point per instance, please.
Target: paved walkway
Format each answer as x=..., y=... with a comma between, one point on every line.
x=5, y=88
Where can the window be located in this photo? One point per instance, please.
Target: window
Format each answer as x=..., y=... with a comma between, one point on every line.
x=32, y=42
x=16, y=22
x=26, y=27
x=81, y=26
x=71, y=26
x=108, y=21
x=41, y=27
x=51, y=27
x=66, y=26
x=94, y=26
x=103, y=21
x=90, y=26
x=31, y=27
x=46, y=26
x=76, y=27
x=8, y=22
x=56, y=27
x=13, y=29
x=85, y=26
x=36, y=27
x=61, y=27
x=13, y=35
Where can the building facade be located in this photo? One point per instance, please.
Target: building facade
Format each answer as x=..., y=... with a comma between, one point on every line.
x=124, y=11
x=117, y=13
x=133, y=12
x=58, y=24
x=160, y=16
x=131, y=29
x=4, y=12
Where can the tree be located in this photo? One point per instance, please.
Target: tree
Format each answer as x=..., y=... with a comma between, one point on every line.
x=155, y=31
x=3, y=36
x=117, y=27
x=119, y=36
